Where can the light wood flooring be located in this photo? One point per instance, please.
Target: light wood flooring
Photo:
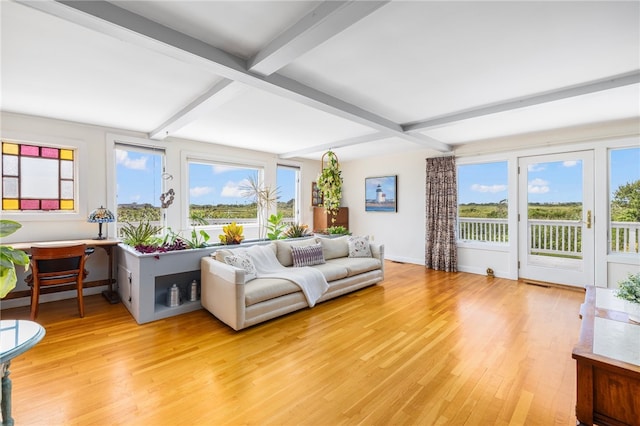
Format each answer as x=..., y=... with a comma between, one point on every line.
x=421, y=348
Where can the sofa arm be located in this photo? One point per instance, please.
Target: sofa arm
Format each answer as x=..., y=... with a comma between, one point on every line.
x=377, y=251
x=222, y=291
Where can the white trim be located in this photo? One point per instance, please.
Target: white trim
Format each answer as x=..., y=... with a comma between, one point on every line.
x=187, y=156
x=111, y=140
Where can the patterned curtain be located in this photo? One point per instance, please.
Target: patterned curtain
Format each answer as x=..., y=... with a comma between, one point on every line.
x=441, y=214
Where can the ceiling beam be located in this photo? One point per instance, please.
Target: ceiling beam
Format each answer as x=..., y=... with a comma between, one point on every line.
x=318, y=26
x=221, y=93
x=334, y=145
x=527, y=101
x=117, y=22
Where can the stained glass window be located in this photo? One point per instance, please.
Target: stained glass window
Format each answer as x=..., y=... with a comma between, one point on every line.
x=37, y=178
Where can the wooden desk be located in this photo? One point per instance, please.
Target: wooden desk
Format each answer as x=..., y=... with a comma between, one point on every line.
x=107, y=245
x=608, y=362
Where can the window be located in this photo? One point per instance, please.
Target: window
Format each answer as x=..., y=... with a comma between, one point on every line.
x=139, y=184
x=288, y=179
x=624, y=202
x=218, y=193
x=38, y=178
x=482, y=202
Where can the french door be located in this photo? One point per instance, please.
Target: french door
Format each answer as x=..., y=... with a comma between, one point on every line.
x=555, y=220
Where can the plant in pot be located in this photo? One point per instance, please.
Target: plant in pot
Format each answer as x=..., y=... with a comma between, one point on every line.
x=629, y=291
x=275, y=227
x=9, y=258
x=297, y=230
x=232, y=234
x=330, y=184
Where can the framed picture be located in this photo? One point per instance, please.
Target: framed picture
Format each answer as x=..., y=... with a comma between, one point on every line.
x=381, y=194
x=316, y=196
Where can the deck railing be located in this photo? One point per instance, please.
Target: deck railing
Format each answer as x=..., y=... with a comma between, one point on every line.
x=550, y=237
x=624, y=237
x=483, y=230
x=555, y=237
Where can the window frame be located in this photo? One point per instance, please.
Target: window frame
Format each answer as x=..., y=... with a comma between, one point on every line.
x=81, y=168
x=200, y=157
x=488, y=245
x=143, y=149
x=297, y=191
x=622, y=256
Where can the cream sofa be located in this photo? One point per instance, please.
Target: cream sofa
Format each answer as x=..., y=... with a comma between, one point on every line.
x=225, y=294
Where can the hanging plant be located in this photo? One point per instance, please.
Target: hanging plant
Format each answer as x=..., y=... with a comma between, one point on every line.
x=330, y=184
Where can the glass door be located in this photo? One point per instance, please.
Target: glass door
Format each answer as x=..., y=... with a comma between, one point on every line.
x=556, y=218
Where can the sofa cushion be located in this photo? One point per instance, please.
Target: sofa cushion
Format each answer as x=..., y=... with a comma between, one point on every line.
x=357, y=265
x=307, y=255
x=359, y=246
x=332, y=271
x=334, y=247
x=244, y=262
x=262, y=289
x=283, y=249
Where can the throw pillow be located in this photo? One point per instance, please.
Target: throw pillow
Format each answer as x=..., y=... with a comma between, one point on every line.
x=359, y=247
x=307, y=256
x=333, y=248
x=243, y=262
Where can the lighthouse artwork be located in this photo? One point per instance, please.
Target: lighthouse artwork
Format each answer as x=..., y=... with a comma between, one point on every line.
x=380, y=194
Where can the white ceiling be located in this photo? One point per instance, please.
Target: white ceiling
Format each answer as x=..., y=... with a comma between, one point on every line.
x=296, y=78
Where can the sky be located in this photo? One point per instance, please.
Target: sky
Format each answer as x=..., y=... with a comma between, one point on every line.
x=139, y=177
x=139, y=180
x=550, y=182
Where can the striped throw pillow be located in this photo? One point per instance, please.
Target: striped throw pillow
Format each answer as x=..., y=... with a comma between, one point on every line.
x=307, y=255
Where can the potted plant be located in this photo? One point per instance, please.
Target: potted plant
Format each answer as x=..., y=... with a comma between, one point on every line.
x=9, y=258
x=629, y=291
x=297, y=230
x=330, y=184
x=232, y=234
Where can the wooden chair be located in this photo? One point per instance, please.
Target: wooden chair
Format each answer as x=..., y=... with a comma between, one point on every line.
x=57, y=265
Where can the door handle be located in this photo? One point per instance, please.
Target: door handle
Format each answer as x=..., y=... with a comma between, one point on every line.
x=588, y=222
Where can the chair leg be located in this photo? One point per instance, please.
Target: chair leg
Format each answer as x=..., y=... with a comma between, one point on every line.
x=35, y=297
x=80, y=298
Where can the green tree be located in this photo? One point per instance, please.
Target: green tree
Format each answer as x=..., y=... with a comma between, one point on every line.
x=625, y=205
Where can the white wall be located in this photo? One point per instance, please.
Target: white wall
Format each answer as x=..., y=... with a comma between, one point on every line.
x=95, y=147
x=403, y=232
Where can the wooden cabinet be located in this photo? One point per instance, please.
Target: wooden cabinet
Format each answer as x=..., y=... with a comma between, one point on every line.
x=322, y=219
x=608, y=362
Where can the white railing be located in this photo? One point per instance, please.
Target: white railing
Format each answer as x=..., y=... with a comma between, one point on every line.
x=624, y=237
x=550, y=237
x=484, y=230
x=555, y=237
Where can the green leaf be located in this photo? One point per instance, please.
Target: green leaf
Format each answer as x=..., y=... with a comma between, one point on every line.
x=8, y=227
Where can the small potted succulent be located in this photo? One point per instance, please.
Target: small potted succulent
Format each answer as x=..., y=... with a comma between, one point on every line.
x=629, y=291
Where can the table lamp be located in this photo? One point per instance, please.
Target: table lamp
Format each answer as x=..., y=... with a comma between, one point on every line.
x=100, y=216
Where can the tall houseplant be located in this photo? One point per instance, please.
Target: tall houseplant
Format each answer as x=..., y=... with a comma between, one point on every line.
x=9, y=258
x=330, y=184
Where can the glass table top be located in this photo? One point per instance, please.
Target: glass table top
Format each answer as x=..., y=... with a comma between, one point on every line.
x=615, y=339
x=18, y=336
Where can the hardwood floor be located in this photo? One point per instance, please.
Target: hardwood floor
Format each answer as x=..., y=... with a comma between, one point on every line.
x=421, y=348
